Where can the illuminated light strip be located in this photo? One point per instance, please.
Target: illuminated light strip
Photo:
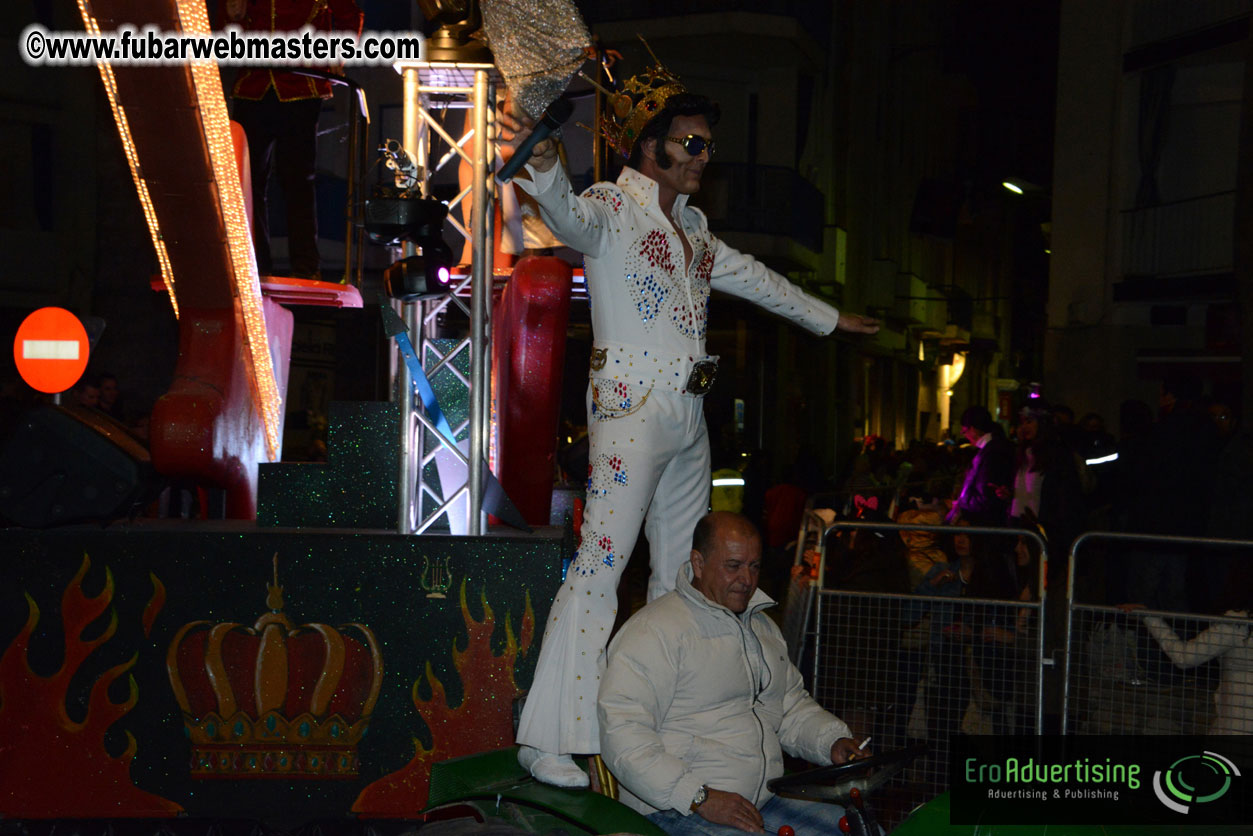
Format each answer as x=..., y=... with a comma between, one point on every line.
x=193, y=18
x=132, y=158
x=1112, y=457
x=728, y=483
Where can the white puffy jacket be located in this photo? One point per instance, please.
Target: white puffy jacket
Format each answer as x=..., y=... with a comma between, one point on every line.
x=695, y=694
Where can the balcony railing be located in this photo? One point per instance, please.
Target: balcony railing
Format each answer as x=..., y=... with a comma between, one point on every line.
x=774, y=200
x=1192, y=236
x=1159, y=20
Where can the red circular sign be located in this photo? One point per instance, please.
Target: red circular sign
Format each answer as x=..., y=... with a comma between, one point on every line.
x=51, y=349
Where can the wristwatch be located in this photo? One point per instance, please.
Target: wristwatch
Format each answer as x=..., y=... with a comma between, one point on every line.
x=701, y=795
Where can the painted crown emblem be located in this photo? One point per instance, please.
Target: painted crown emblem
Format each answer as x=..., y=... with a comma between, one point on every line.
x=642, y=97
x=273, y=699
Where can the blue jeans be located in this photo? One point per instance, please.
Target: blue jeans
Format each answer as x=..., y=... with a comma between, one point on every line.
x=807, y=818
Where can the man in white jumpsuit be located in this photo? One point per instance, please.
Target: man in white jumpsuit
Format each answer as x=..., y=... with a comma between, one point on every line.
x=650, y=265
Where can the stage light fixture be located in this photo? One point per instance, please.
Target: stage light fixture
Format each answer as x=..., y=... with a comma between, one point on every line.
x=419, y=277
x=391, y=221
x=453, y=32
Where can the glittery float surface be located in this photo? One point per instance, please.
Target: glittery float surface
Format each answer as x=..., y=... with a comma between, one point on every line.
x=355, y=488
x=538, y=46
x=141, y=584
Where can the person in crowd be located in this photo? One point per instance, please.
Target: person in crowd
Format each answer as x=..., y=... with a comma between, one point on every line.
x=1180, y=470
x=926, y=560
x=866, y=560
x=110, y=396
x=1097, y=463
x=1228, y=640
x=784, y=509
x=651, y=263
x=1097, y=439
x=1185, y=451
x=998, y=630
x=981, y=501
x=87, y=394
x=931, y=643
x=1130, y=482
x=1046, y=488
x=1068, y=430
x=1224, y=419
x=699, y=701
x=1231, y=513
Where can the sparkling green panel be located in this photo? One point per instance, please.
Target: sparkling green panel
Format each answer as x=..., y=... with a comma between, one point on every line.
x=355, y=488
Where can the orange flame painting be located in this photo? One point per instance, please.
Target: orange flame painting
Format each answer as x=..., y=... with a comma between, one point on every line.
x=50, y=764
x=482, y=722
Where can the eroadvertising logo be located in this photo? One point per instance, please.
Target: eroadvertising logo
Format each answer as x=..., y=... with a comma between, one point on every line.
x=1100, y=780
x=1194, y=779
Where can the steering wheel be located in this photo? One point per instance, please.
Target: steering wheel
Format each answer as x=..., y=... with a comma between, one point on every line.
x=838, y=783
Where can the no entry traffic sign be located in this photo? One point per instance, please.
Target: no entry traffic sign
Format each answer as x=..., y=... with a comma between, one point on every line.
x=51, y=350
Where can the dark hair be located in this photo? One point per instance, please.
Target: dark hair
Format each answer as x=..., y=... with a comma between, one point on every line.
x=1060, y=410
x=979, y=418
x=680, y=104
x=1184, y=386
x=1046, y=448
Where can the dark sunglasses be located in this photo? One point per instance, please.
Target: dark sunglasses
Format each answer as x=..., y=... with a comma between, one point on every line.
x=693, y=144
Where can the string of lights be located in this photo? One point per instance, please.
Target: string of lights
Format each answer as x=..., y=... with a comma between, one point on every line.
x=194, y=18
x=132, y=158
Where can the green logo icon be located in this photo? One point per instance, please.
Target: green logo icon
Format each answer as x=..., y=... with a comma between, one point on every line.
x=1194, y=779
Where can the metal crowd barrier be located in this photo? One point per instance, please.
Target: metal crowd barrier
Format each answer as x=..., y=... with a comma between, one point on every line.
x=906, y=667
x=1156, y=671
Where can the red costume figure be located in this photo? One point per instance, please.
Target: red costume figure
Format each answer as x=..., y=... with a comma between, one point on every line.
x=279, y=112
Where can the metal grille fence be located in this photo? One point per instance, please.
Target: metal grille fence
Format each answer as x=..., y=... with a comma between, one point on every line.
x=910, y=668
x=1156, y=671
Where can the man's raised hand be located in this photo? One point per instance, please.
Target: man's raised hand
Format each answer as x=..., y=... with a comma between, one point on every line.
x=515, y=126
x=731, y=809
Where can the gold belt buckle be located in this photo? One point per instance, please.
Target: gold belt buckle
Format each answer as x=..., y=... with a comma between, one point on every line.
x=599, y=356
x=701, y=380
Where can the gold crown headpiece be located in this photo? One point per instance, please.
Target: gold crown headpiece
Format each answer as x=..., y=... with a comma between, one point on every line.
x=641, y=98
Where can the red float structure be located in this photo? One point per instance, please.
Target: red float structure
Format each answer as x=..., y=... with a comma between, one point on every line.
x=528, y=356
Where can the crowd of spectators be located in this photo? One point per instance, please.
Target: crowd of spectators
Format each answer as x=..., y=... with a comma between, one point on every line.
x=1045, y=472
x=1041, y=474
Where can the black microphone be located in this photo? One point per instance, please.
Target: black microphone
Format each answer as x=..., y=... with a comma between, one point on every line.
x=557, y=112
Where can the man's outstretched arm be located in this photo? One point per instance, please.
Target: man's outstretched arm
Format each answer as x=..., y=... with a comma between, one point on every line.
x=743, y=276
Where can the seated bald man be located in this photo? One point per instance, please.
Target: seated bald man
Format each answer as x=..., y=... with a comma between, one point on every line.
x=699, y=700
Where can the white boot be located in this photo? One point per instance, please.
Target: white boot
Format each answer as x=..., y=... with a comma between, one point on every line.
x=547, y=768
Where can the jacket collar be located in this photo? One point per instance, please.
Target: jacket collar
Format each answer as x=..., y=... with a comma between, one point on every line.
x=683, y=585
x=644, y=190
